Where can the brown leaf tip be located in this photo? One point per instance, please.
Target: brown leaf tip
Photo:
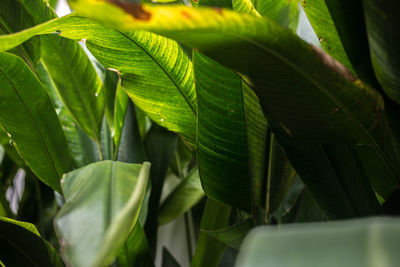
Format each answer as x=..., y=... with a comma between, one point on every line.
x=333, y=64
x=135, y=9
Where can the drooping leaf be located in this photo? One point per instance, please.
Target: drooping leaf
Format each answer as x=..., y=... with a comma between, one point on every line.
x=340, y=27
x=209, y=250
x=355, y=243
x=22, y=245
x=103, y=201
x=38, y=139
x=187, y=194
x=382, y=22
x=233, y=235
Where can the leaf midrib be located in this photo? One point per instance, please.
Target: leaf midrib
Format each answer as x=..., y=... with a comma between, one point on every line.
x=34, y=123
x=162, y=68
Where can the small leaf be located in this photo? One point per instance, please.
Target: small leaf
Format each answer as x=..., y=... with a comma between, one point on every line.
x=103, y=201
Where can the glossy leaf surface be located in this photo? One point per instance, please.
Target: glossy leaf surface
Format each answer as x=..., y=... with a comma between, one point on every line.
x=103, y=201
x=38, y=139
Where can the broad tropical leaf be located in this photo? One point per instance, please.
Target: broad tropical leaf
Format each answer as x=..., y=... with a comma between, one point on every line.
x=39, y=140
x=22, y=245
x=103, y=201
x=171, y=102
x=355, y=243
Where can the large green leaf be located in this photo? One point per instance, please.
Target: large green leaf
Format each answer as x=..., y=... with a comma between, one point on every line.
x=285, y=12
x=222, y=151
x=171, y=102
x=187, y=194
x=325, y=90
x=39, y=139
x=382, y=27
x=356, y=243
x=103, y=201
x=74, y=75
x=22, y=245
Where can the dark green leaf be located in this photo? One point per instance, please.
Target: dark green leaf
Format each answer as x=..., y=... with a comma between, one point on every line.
x=22, y=245
x=382, y=22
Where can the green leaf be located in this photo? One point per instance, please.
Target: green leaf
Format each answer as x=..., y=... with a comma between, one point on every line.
x=171, y=102
x=111, y=83
x=14, y=18
x=382, y=27
x=284, y=12
x=209, y=250
x=222, y=151
x=355, y=243
x=74, y=75
x=160, y=146
x=233, y=235
x=325, y=90
x=22, y=245
x=135, y=251
x=187, y=194
x=131, y=147
x=39, y=139
x=103, y=201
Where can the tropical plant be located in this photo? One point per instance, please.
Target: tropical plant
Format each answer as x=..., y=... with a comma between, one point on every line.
x=122, y=117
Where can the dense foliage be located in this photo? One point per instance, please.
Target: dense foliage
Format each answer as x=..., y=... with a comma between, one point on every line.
x=223, y=115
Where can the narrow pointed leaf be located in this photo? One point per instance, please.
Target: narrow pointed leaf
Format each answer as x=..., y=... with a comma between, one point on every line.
x=187, y=194
x=233, y=235
x=103, y=201
x=74, y=75
x=22, y=245
x=38, y=139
